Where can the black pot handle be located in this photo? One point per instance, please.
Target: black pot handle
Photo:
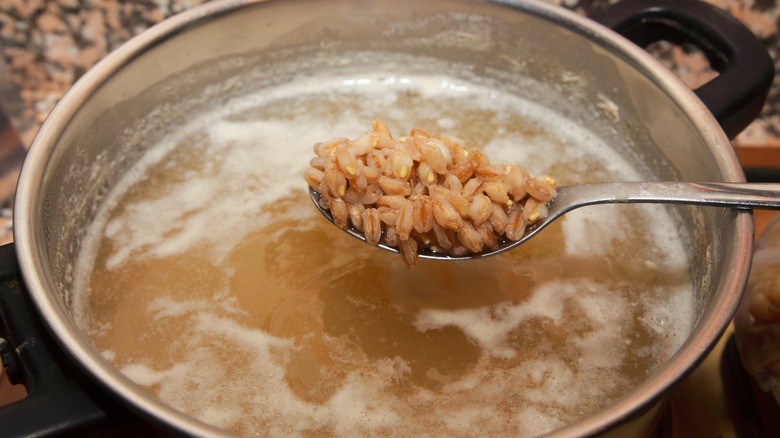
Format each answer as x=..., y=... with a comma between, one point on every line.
x=746, y=70
x=61, y=400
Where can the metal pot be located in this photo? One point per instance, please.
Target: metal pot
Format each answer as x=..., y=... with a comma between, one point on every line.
x=103, y=124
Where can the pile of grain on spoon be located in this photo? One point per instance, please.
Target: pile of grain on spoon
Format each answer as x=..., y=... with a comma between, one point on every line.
x=425, y=191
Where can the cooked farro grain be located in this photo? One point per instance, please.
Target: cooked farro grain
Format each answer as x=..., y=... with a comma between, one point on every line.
x=425, y=191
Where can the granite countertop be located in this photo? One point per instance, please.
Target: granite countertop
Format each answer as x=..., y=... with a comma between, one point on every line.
x=46, y=45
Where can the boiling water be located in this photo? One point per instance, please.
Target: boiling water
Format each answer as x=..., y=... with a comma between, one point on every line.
x=211, y=281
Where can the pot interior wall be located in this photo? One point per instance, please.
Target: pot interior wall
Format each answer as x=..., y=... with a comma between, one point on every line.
x=134, y=97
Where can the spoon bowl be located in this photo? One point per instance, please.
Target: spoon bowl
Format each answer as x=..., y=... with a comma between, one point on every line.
x=743, y=196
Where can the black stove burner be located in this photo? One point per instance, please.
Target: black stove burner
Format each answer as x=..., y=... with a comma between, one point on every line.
x=62, y=400
x=762, y=174
x=755, y=413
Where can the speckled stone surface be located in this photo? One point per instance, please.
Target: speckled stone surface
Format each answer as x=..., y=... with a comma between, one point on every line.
x=48, y=44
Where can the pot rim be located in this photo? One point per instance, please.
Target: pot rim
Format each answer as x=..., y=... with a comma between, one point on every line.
x=30, y=244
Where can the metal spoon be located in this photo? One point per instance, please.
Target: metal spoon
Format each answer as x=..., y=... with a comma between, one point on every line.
x=743, y=196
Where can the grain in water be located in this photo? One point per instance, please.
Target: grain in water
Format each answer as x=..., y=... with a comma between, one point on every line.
x=211, y=281
x=424, y=191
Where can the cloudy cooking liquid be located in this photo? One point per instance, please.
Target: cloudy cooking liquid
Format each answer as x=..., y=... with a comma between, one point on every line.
x=211, y=281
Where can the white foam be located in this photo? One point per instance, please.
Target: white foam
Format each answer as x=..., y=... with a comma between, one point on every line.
x=362, y=404
x=108, y=355
x=143, y=374
x=584, y=226
x=491, y=326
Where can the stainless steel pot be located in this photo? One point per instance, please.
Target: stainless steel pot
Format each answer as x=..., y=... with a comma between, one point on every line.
x=564, y=61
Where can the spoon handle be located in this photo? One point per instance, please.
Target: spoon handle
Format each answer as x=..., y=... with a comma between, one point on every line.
x=736, y=195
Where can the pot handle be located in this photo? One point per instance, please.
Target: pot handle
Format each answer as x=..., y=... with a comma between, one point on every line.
x=735, y=97
x=60, y=399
